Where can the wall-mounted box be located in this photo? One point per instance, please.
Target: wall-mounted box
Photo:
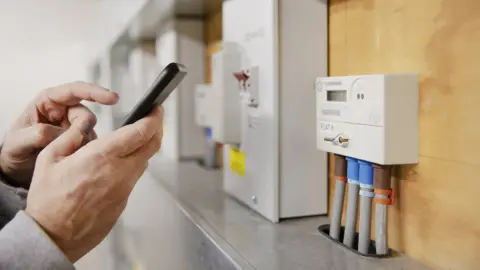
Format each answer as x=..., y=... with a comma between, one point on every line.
x=277, y=170
x=248, y=84
x=203, y=107
x=370, y=117
x=225, y=98
x=144, y=68
x=181, y=41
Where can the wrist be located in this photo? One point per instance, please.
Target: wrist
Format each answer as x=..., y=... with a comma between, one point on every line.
x=53, y=235
x=54, y=242
x=30, y=247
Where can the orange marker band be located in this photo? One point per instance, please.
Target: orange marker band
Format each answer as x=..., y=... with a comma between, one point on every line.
x=388, y=192
x=383, y=201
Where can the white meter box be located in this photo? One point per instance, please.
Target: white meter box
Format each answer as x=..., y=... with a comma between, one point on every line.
x=203, y=105
x=369, y=117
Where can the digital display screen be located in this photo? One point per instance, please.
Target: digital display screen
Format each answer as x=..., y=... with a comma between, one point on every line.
x=337, y=95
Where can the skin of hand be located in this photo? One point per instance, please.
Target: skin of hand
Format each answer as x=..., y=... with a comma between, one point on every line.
x=78, y=192
x=46, y=118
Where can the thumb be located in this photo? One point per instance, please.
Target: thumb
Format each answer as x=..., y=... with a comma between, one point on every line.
x=67, y=143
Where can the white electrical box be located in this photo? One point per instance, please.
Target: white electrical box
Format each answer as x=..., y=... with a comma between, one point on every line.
x=248, y=85
x=144, y=69
x=203, y=105
x=181, y=41
x=272, y=164
x=370, y=117
x=225, y=97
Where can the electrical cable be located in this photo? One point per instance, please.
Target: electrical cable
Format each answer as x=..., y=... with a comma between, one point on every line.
x=341, y=179
x=383, y=192
x=366, y=196
x=352, y=204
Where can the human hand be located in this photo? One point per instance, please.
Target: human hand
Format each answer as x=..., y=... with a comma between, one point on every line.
x=78, y=192
x=43, y=121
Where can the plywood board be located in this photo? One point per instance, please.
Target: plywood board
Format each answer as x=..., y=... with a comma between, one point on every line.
x=213, y=38
x=434, y=220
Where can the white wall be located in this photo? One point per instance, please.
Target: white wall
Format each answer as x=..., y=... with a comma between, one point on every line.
x=24, y=74
x=49, y=42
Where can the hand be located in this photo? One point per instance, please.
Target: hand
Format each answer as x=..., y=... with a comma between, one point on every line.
x=77, y=195
x=43, y=121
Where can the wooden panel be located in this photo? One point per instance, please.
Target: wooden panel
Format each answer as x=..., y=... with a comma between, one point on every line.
x=433, y=221
x=213, y=6
x=213, y=26
x=213, y=37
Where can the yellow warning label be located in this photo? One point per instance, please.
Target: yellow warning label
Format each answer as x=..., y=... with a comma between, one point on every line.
x=237, y=161
x=136, y=266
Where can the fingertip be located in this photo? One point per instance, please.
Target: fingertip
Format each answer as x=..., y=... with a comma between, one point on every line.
x=55, y=115
x=158, y=110
x=156, y=115
x=108, y=98
x=103, y=95
x=82, y=117
x=86, y=125
x=113, y=98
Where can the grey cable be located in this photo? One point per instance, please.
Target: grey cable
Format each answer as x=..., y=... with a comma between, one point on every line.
x=381, y=226
x=337, y=210
x=351, y=222
x=365, y=217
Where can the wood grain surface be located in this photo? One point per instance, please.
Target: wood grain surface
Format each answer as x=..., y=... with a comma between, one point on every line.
x=213, y=38
x=436, y=219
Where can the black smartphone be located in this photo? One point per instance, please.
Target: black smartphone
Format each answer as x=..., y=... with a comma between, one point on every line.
x=161, y=88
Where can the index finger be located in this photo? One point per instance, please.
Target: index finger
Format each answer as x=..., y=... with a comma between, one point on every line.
x=72, y=93
x=128, y=139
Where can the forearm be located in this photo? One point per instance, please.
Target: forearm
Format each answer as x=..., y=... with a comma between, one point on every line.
x=24, y=245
